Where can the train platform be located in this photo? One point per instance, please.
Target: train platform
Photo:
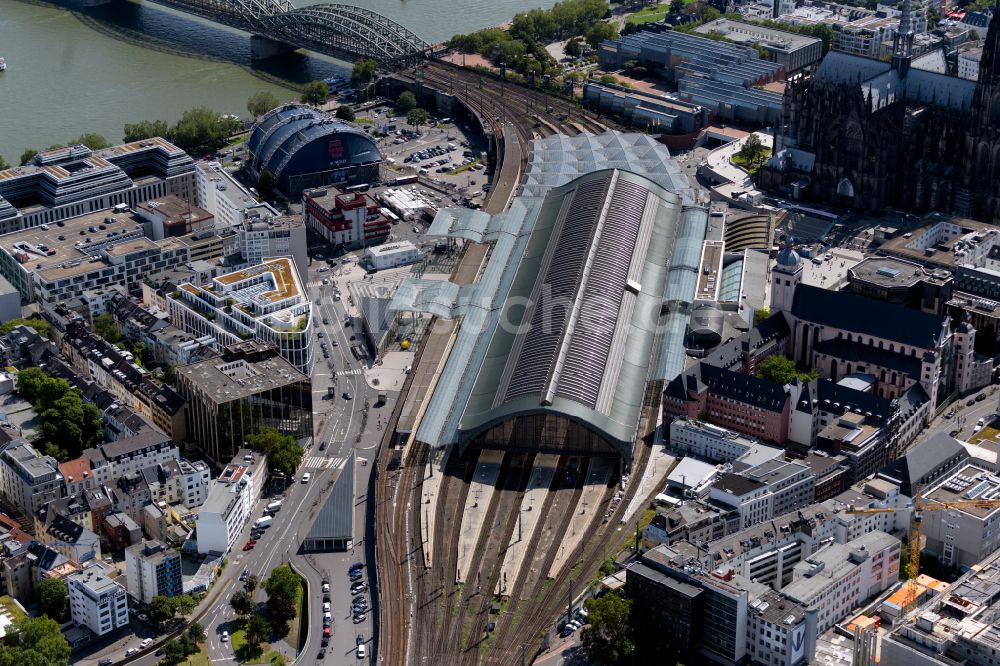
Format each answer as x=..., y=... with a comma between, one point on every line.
x=531, y=510
x=477, y=503
x=587, y=508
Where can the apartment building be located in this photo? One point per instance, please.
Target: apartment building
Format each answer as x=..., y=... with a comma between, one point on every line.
x=96, y=601
x=152, y=569
x=27, y=478
x=230, y=502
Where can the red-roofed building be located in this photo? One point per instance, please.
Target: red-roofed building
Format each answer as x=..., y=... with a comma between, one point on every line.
x=350, y=219
x=77, y=475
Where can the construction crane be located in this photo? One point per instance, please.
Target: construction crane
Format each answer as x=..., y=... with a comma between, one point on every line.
x=916, y=517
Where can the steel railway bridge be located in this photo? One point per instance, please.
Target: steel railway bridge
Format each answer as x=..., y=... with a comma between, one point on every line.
x=341, y=31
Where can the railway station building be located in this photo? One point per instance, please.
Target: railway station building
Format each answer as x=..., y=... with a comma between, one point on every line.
x=565, y=329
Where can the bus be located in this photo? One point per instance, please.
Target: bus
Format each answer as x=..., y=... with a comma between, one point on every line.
x=364, y=187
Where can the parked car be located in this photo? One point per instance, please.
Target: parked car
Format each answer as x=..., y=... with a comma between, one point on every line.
x=359, y=618
x=145, y=643
x=361, y=651
x=326, y=586
x=225, y=636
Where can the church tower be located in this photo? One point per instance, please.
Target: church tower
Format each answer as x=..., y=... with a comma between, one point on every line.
x=981, y=181
x=785, y=277
x=902, y=45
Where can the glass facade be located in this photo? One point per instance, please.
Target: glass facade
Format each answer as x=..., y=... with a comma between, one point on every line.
x=221, y=429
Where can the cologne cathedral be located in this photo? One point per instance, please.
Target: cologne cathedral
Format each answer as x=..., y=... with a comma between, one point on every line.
x=904, y=134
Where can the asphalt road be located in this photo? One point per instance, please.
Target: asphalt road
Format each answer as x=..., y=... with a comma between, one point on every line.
x=339, y=422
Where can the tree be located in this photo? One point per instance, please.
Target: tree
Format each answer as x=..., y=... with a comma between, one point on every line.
x=39, y=643
x=753, y=152
x=242, y=603
x=105, y=326
x=760, y=315
x=363, y=73
x=174, y=651
x=676, y=6
x=265, y=183
x=573, y=47
x=92, y=140
x=250, y=584
x=53, y=598
x=405, y=102
x=170, y=375
x=200, y=128
x=416, y=118
x=184, y=604
x=315, y=93
x=261, y=102
x=599, y=32
x=781, y=369
x=195, y=632
x=345, y=112
x=258, y=631
x=29, y=383
x=709, y=14
x=160, y=609
x=145, y=129
x=283, y=453
x=282, y=587
x=41, y=326
x=608, y=634
x=4, y=164
x=28, y=155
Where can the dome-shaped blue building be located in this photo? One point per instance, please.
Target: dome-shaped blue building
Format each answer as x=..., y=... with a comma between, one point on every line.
x=303, y=147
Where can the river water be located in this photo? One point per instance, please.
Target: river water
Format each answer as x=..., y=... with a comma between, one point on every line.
x=73, y=70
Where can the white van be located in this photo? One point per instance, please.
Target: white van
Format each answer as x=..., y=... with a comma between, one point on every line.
x=306, y=477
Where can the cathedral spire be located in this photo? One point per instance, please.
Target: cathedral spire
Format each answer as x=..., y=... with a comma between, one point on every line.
x=989, y=67
x=902, y=47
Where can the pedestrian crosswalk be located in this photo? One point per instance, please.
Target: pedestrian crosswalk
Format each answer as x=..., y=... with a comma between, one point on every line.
x=355, y=371
x=323, y=462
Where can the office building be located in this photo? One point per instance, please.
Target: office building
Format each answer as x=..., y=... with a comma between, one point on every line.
x=347, y=220
x=697, y=615
x=233, y=396
x=767, y=490
x=265, y=302
x=957, y=626
x=839, y=578
x=152, y=569
x=60, y=261
x=391, y=255
x=962, y=537
x=68, y=182
x=97, y=602
x=704, y=440
x=230, y=503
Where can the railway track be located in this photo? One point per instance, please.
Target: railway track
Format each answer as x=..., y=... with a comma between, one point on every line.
x=425, y=616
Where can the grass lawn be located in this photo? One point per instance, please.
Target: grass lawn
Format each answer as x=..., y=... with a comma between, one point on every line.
x=266, y=656
x=199, y=658
x=745, y=164
x=10, y=607
x=460, y=169
x=988, y=433
x=652, y=13
x=293, y=626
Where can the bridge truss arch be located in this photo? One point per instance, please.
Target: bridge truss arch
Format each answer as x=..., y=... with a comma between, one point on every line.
x=348, y=30
x=342, y=31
